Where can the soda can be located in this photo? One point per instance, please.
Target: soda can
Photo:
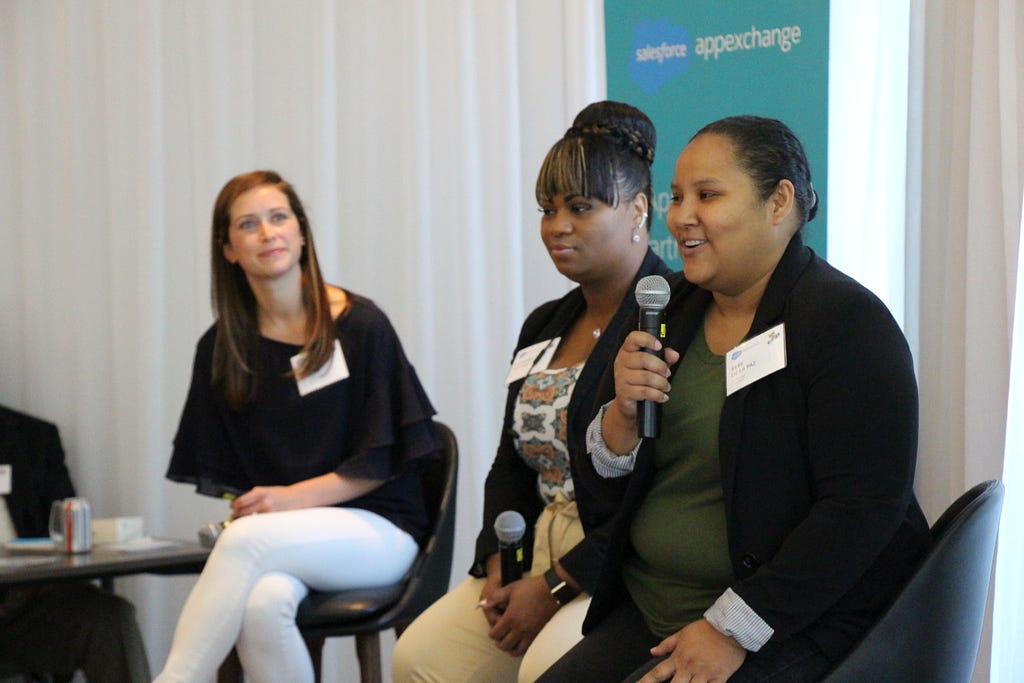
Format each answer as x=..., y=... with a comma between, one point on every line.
x=71, y=525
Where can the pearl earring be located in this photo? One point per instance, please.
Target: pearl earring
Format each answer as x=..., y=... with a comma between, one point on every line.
x=638, y=228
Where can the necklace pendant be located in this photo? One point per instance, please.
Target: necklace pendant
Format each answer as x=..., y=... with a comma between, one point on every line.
x=596, y=332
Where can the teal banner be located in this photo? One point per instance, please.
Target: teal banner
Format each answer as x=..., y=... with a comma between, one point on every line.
x=687, y=63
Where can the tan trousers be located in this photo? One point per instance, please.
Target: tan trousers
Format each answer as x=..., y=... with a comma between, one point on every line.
x=448, y=643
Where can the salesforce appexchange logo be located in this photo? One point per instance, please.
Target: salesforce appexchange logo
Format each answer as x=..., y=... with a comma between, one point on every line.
x=661, y=51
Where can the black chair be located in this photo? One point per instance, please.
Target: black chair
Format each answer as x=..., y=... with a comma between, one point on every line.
x=364, y=613
x=932, y=630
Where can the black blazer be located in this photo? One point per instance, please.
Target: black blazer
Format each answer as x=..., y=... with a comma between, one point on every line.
x=817, y=459
x=32, y=447
x=511, y=484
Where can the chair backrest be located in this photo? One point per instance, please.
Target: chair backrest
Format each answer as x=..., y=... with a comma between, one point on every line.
x=932, y=630
x=368, y=610
x=439, y=487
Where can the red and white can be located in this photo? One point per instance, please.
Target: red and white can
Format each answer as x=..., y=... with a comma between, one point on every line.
x=71, y=525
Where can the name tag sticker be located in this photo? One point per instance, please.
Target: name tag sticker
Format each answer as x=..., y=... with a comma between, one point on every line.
x=5, y=479
x=532, y=358
x=334, y=370
x=755, y=358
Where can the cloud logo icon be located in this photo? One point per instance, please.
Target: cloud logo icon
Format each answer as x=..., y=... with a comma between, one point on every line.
x=661, y=52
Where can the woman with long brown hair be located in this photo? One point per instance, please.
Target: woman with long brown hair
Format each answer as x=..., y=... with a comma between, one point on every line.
x=305, y=410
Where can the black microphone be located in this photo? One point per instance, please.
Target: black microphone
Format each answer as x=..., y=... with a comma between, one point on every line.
x=652, y=295
x=510, y=527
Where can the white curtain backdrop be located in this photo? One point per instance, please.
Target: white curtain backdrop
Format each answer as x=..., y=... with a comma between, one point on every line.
x=867, y=145
x=1007, y=662
x=1008, y=609
x=413, y=130
x=965, y=173
x=924, y=208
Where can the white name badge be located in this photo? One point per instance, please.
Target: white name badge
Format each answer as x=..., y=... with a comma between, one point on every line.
x=334, y=370
x=533, y=358
x=5, y=479
x=755, y=358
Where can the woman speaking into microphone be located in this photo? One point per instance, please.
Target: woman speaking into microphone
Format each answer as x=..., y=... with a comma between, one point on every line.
x=774, y=517
x=594, y=195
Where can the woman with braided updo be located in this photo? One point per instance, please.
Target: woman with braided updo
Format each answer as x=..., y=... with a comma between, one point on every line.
x=774, y=518
x=594, y=195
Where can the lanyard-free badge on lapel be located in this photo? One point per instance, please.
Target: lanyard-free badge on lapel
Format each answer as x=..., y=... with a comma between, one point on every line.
x=755, y=358
x=533, y=358
x=330, y=372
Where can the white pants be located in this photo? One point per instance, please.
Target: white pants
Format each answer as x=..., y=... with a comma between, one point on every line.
x=260, y=569
x=448, y=643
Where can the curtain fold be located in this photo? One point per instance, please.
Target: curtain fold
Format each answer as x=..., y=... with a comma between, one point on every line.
x=1007, y=660
x=867, y=147
x=965, y=173
x=1007, y=664
x=412, y=129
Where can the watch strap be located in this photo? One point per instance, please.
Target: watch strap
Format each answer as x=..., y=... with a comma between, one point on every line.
x=560, y=589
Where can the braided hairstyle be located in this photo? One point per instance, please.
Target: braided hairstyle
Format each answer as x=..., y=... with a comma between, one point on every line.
x=606, y=155
x=769, y=152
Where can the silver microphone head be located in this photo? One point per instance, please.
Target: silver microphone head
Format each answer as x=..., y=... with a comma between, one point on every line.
x=652, y=291
x=210, y=532
x=509, y=527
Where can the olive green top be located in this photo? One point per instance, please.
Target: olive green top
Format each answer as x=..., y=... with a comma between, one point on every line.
x=680, y=564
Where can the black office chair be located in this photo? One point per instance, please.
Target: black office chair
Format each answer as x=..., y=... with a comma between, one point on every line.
x=932, y=630
x=364, y=613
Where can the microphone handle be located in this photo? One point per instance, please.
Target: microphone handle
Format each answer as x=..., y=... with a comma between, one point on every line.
x=511, y=562
x=648, y=413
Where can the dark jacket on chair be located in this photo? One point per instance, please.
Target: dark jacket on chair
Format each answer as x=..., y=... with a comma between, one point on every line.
x=32, y=447
x=58, y=627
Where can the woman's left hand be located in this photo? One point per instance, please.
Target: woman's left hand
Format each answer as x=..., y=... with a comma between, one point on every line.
x=326, y=489
x=699, y=653
x=528, y=607
x=264, y=499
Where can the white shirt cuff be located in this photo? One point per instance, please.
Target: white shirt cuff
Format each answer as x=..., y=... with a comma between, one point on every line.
x=607, y=463
x=733, y=617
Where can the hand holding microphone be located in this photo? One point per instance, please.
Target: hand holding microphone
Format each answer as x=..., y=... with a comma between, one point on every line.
x=211, y=531
x=510, y=527
x=652, y=296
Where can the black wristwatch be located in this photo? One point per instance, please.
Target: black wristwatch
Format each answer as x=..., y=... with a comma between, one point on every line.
x=561, y=591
